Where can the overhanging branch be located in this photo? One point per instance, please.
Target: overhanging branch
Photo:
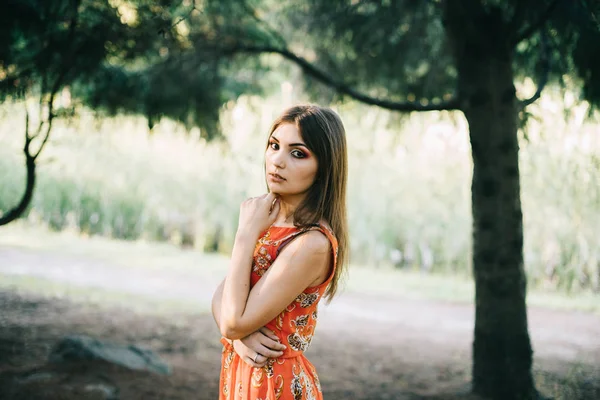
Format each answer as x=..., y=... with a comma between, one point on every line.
x=545, y=65
x=339, y=86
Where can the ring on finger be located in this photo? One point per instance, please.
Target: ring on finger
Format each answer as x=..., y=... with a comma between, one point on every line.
x=255, y=357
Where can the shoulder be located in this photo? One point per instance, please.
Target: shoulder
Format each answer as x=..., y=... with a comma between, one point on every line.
x=317, y=241
x=313, y=240
x=308, y=255
x=328, y=232
x=312, y=244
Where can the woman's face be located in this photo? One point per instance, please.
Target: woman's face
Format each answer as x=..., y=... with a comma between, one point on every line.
x=290, y=167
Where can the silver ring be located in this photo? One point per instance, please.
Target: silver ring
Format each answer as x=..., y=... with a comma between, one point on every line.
x=255, y=357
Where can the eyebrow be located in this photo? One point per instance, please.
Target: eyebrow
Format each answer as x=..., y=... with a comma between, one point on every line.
x=291, y=144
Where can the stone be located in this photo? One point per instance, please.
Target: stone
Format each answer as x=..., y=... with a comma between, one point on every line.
x=36, y=377
x=85, y=348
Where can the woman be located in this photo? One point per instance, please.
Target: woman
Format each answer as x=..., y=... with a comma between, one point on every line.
x=289, y=252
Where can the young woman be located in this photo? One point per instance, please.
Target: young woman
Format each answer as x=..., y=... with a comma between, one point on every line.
x=289, y=253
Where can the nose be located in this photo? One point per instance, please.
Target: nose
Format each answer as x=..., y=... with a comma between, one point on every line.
x=278, y=160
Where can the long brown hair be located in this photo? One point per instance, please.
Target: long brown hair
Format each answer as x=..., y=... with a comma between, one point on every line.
x=324, y=134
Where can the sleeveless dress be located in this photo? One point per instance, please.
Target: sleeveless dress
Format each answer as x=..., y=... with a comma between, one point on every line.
x=290, y=376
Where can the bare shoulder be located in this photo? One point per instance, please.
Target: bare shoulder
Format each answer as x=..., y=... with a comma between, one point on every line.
x=313, y=244
x=306, y=257
x=316, y=241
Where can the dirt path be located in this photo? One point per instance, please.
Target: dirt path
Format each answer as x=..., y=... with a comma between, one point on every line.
x=366, y=346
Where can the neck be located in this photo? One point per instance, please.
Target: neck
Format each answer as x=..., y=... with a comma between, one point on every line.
x=287, y=206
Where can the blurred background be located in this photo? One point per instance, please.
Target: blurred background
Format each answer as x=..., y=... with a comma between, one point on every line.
x=151, y=120
x=408, y=195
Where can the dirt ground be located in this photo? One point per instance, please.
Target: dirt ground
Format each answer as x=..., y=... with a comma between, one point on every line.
x=365, y=347
x=372, y=366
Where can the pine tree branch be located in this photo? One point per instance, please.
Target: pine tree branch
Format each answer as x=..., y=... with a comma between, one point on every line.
x=339, y=86
x=536, y=25
x=186, y=16
x=519, y=15
x=67, y=66
x=592, y=15
x=261, y=22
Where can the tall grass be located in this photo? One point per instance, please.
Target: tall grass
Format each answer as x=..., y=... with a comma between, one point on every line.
x=409, y=188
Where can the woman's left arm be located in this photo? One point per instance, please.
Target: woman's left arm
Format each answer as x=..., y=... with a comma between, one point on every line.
x=244, y=311
x=301, y=263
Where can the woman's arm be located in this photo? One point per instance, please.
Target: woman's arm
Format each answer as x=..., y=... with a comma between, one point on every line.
x=301, y=263
x=262, y=342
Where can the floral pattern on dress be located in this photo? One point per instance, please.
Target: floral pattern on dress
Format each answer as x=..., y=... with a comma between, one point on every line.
x=258, y=377
x=262, y=261
x=307, y=299
x=316, y=378
x=301, y=384
x=290, y=376
x=299, y=342
x=269, y=367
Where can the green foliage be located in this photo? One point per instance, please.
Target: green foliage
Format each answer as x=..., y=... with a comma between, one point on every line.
x=564, y=48
x=409, y=190
x=136, y=57
x=395, y=49
x=175, y=59
x=52, y=43
x=178, y=59
x=399, y=50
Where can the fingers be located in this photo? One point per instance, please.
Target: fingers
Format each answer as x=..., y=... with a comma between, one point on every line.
x=272, y=205
x=268, y=352
x=251, y=362
x=261, y=361
x=270, y=340
x=274, y=210
x=268, y=333
x=270, y=198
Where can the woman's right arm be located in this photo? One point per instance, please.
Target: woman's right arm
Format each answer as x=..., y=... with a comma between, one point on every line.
x=264, y=342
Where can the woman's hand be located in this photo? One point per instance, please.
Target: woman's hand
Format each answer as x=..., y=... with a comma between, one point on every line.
x=257, y=214
x=256, y=348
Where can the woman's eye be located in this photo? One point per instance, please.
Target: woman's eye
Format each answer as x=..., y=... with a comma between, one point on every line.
x=274, y=146
x=298, y=154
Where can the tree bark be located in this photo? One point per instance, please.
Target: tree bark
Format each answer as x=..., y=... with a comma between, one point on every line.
x=502, y=353
x=20, y=208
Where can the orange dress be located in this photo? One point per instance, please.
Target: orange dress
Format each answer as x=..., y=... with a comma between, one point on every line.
x=290, y=376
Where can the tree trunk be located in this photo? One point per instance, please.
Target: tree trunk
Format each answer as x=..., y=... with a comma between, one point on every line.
x=502, y=354
x=17, y=211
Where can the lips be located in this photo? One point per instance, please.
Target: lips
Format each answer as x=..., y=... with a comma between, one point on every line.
x=276, y=179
